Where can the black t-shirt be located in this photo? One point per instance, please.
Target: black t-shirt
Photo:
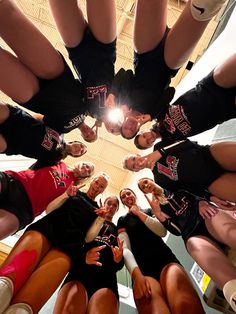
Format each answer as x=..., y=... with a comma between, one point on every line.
x=150, y=251
x=94, y=63
x=189, y=167
x=199, y=109
x=67, y=226
x=30, y=137
x=60, y=100
x=182, y=207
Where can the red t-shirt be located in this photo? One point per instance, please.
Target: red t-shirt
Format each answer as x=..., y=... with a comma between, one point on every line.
x=44, y=185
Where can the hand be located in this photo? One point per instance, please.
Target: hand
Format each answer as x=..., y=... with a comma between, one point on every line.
x=135, y=210
x=101, y=211
x=118, y=251
x=222, y=204
x=141, y=286
x=206, y=210
x=73, y=189
x=93, y=255
x=155, y=205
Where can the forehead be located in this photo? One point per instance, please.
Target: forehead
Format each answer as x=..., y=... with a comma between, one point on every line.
x=101, y=180
x=126, y=191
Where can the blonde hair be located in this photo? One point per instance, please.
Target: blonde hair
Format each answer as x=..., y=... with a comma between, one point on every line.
x=158, y=191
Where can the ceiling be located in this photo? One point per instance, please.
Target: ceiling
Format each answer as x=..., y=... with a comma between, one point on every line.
x=108, y=151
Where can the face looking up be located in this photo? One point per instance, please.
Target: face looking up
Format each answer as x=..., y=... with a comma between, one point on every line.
x=97, y=186
x=112, y=205
x=134, y=163
x=145, y=139
x=128, y=197
x=76, y=149
x=84, y=169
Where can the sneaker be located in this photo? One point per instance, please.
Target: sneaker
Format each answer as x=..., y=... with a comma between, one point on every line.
x=204, y=10
x=6, y=293
x=19, y=308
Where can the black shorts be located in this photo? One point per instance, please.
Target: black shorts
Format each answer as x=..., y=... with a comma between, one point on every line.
x=201, y=230
x=202, y=108
x=14, y=199
x=152, y=76
x=94, y=63
x=213, y=169
x=93, y=282
x=60, y=100
x=66, y=226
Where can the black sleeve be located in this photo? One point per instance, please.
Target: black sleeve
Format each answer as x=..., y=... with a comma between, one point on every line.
x=170, y=146
x=171, y=227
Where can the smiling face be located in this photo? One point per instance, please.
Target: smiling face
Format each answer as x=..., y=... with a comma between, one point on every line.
x=146, y=185
x=112, y=205
x=130, y=127
x=97, y=186
x=135, y=163
x=128, y=197
x=76, y=149
x=89, y=134
x=84, y=169
x=146, y=139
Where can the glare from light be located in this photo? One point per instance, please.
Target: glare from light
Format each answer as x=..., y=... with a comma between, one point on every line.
x=116, y=115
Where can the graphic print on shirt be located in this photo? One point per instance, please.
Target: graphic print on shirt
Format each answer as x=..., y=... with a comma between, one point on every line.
x=178, y=206
x=106, y=237
x=170, y=170
x=58, y=177
x=98, y=93
x=50, y=137
x=75, y=122
x=177, y=119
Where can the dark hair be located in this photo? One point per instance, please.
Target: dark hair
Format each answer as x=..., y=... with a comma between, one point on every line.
x=115, y=197
x=136, y=143
x=126, y=189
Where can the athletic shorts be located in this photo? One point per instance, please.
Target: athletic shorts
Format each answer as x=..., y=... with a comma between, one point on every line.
x=201, y=230
x=201, y=108
x=94, y=63
x=14, y=199
x=66, y=227
x=60, y=100
x=152, y=76
x=93, y=282
x=214, y=169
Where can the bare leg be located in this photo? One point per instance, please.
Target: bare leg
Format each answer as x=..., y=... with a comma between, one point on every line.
x=103, y=301
x=16, y=80
x=69, y=20
x=224, y=153
x=224, y=74
x=223, y=228
x=30, y=46
x=206, y=254
x=4, y=115
x=72, y=298
x=183, y=38
x=156, y=303
x=9, y=224
x=24, y=257
x=174, y=278
x=149, y=24
x=44, y=280
x=102, y=19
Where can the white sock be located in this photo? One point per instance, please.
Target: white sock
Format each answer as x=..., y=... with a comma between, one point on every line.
x=19, y=308
x=229, y=291
x=204, y=10
x=6, y=292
